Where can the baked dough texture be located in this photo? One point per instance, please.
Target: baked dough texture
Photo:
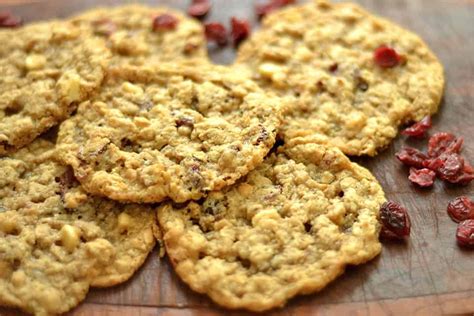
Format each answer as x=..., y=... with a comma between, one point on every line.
x=56, y=240
x=46, y=69
x=169, y=131
x=129, y=33
x=322, y=54
x=289, y=227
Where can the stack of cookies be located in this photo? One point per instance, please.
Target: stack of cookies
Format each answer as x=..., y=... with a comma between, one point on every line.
x=116, y=131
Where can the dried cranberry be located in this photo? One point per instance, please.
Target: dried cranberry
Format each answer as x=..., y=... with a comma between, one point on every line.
x=333, y=67
x=199, y=8
x=386, y=57
x=423, y=177
x=240, y=30
x=265, y=8
x=185, y=121
x=465, y=233
x=164, y=22
x=444, y=142
x=7, y=19
x=395, y=221
x=453, y=165
x=216, y=32
x=464, y=177
x=461, y=208
x=418, y=129
x=411, y=157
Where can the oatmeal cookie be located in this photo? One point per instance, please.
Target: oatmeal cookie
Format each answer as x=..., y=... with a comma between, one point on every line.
x=56, y=240
x=138, y=34
x=289, y=227
x=323, y=55
x=46, y=70
x=169, y=131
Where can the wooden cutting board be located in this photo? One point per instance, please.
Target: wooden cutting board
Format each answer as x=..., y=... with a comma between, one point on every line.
x=427, y=275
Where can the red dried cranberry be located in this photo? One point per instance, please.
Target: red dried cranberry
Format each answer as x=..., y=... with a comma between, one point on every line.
x=395, y=221
x=453, y=165
x=444, y=142
x=423, y=177
x=418, y=129
x=7, y=19
x=199, y=8
x=4, y=15
x=240, y=30
x=386, y=57
x=447, y=165
x=464, y=177
x=164, y=22
x=216, y=32
x=411, y=157
x=265, y=8
x=465, y=233
x=461, y=208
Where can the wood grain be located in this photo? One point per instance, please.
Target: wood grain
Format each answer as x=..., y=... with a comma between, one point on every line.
x=427, y=275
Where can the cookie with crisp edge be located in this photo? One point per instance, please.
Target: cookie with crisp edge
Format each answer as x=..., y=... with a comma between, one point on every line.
x=322, y=54
x=169, y=131
x=56, y=240
x=47, y=69
x=289, y=227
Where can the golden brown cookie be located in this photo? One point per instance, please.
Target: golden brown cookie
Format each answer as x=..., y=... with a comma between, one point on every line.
x=323, y=55
x=138, y=34
x=289, y=227
x=46, y=70
x=56, y=240
x=169, y=131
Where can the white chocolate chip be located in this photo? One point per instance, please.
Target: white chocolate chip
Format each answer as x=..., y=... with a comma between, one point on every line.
x=184, y=130
x=70, y=87
x=124, y=221
x=18, y=278
x=35, y=61
x=70, y=237
x=267, y=70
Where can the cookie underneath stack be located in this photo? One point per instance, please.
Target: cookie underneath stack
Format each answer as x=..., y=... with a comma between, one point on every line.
x=289, y=227
x=144, y=117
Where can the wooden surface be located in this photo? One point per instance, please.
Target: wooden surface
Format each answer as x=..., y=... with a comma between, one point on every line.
x=427, y=275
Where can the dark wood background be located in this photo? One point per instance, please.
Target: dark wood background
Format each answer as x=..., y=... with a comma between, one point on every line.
x=427, y=275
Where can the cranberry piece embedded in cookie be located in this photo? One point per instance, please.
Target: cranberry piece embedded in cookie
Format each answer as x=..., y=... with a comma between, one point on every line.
x=412, y=157
x=164, y=22
x=419, y=128
x=465, y=233
x=461, y=208
x=240, y=30
x=7, y=19
x=265, y=8
x=422, y=177
x=395, y=221
x=199, y=8
x=216, y=32
x=386, y=57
